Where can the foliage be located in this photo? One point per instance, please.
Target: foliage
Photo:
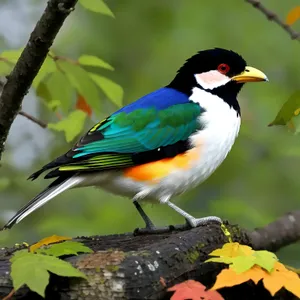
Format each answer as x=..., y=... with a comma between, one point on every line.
x=64, y=84
x=71, y=125
x=32, y=266
x=291, y=108
x=241, y=257
x=288, y=111
x=98, y=6
x=193, y=290
x=246, y=264
x=47, y=241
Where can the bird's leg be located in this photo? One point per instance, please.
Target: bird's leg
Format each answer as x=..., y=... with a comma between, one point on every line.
x=190, y=220
x=150, y=227
x=148, y=222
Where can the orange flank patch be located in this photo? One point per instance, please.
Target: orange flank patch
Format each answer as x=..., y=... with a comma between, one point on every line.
x=162, y=168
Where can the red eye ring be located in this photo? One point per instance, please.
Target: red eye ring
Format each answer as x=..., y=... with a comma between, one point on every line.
x=223, y=68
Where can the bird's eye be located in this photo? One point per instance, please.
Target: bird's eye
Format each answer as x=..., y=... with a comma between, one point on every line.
x=223, y=68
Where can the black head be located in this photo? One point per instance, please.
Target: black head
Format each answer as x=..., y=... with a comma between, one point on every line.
x=219, y=71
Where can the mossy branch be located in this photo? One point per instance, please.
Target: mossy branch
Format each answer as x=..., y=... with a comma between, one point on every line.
x=143, y=267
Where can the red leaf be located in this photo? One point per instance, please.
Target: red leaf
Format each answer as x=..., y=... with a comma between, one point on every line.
x=193, y=290
x=81, y=104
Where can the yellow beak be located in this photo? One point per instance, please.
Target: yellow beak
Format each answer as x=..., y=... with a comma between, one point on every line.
x=250, y=75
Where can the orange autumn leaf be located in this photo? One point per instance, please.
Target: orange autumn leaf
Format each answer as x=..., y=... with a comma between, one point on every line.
x=293, y=15
x=280, y=277
x=47, y=241
x=81, y=104
x=193, y=290
x=228, y=277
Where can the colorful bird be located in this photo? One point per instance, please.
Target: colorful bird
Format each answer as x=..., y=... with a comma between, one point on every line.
x=161, y=145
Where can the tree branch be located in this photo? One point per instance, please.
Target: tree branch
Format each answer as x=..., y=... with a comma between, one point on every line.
x=33, y=119
x=30, y=61
x=280, y=233
x=134, y=267
x=271, y=16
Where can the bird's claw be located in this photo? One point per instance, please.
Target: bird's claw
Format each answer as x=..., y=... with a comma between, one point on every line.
x=193, y=222
x=154, y=230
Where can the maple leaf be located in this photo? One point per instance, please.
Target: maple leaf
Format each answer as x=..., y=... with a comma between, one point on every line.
x=242, y=258
x=81, y=104
x=232, y=250
x=193, y=290
x=65, y=248
x=228, y=277
x=47, y=241
x=280, y=277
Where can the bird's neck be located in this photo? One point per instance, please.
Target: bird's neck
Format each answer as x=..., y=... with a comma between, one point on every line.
x=228, y=92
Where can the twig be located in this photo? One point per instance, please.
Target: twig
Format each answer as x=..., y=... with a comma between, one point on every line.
x=33, y=119
x=273, y=17
x=12, y=292
x=30, y=61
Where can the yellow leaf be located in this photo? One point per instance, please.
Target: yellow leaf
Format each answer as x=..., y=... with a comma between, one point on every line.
x=47, y=241
x=293, y=15
x=232, y=250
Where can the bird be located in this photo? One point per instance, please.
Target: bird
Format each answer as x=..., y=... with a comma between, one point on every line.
x=165, y=143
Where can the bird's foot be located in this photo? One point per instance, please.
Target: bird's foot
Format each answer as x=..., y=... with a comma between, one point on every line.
x=154, y=230
x=194, y=222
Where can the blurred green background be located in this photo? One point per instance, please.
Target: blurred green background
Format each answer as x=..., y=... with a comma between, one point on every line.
x=146, y=43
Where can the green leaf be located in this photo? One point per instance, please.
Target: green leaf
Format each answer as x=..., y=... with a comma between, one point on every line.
x=289, y=110
x=18, y=254
x=47, y=68
x=94, y=61
x=43, y=92
x=33, y=270
x=71, y=126
x=65, y=248
x=265, y=259
x=5, y=68
x=112, y=90
x=4, y=183
x=60, y=89
x=242, y=264
x=81, y=81
x=97, y=6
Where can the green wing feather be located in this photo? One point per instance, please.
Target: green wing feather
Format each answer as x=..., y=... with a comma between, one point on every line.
x=113, y=143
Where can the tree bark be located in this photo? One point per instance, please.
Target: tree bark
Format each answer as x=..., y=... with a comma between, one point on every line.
x=30, y=62
x=143, y=267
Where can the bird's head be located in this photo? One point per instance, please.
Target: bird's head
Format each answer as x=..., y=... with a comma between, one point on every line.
x=216, y=70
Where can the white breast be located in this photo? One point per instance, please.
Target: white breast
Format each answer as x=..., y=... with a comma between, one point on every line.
x=221, y=127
